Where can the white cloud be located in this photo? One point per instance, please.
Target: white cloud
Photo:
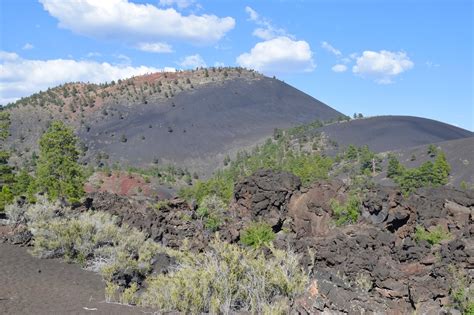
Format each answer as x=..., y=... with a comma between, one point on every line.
x=339, y=68
x=253, y=15
x=382, y=66
x=155, y=47
x=182, y=4
x=264, y=33
x=135, y=23
x=219, y=64
x=266, y=30
x=27, y=46
x=193, y=61
x=21, y=77
x=331, y=49
x=8, y=56
x=281, y=54
x=93, y=54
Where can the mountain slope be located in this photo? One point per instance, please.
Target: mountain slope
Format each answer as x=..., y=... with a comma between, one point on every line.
x=192, y=119
x=387, y=133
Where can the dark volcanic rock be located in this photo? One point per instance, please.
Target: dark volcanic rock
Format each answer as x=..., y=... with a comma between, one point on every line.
x=265, y=196
x=169, y=225
x=310, y=212
x=377, y=266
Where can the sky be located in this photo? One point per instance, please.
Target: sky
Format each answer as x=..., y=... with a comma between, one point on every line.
x=375, y=57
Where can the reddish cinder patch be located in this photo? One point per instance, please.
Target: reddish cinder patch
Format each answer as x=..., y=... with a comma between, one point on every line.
x=119, y=183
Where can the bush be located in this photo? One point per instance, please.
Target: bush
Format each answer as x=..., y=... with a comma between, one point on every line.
x=15, y=213
x=92, y=239
x=221, y=185
x=432, y=150
x=228, y=278
x=257, y=235
x=75, y=238
x=433, y=237
x=347, y=212
x=308, y=167
x=211, y=210
x=6, y=197
x=163, y=205
x=460, y=291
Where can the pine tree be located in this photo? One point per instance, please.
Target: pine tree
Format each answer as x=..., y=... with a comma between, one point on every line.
x=59, y=173
x=351, y=152
x=7, y=177
x=441, y=169
x=395, y=168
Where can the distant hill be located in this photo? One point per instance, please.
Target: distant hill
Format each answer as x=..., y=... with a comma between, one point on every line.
x=459, y=153
x=388, y=133
x=192, y=118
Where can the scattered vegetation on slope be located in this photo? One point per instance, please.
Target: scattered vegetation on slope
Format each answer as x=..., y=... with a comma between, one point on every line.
x=292, y=151
x=429, y=174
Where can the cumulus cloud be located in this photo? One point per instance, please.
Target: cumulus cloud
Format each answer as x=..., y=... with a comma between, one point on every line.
x=281, y=54
x=155, y=47
x=265, y=30
x=193, y=61
x=21, y=77
x=382, y=66
x=339, y=68
x=27, y=46
x=135, y=23
x=331, y=49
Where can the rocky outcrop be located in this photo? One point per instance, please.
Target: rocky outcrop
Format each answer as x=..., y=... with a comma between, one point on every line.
x=169, y=225
x=264, y=196
x=310, y=210
x=377, y=265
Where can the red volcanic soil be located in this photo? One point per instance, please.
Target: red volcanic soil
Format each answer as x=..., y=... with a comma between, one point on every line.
x=119, y=183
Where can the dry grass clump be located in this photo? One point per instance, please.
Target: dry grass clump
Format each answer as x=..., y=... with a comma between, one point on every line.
x=226, y=278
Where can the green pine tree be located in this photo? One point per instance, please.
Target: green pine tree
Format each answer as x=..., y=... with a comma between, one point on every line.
x=441, y=169
x=7, y=177
x=395, y=168
x=58, y=172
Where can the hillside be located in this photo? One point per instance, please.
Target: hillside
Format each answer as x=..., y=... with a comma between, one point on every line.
x=459, y=154
x=192, y=119
x=387, y=133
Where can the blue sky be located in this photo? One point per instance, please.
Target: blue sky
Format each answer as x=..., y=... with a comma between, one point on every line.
x=374, y=57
